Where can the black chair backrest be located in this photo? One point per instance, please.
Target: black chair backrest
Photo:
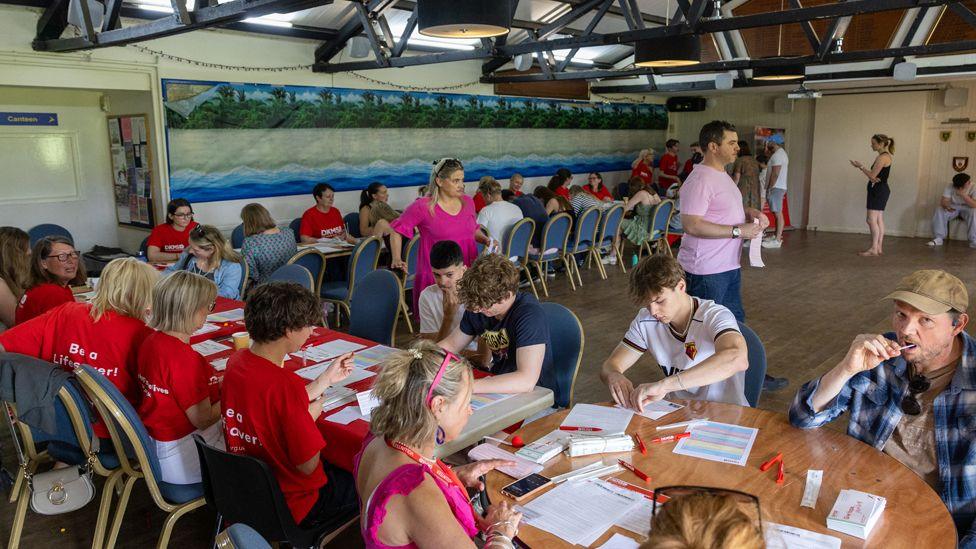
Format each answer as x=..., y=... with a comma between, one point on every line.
x=243, y=489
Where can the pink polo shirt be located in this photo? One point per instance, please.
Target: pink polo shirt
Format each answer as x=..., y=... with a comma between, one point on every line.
x=713, y=195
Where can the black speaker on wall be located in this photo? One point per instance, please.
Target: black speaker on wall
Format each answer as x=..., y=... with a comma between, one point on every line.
x=686, y=104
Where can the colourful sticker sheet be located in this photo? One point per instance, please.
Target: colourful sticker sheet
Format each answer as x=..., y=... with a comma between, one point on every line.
x=720, y=442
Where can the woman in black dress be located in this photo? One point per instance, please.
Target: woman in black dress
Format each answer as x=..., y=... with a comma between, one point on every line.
x=878, y=190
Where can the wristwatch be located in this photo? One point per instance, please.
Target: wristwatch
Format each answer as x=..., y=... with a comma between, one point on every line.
x=736, y=231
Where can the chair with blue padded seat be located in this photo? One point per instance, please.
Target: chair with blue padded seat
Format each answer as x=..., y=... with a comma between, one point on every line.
x=144, y=247
x=609, y=232
x=566, y=338
x=757, y=365
x=516, y=247
x=411, y=253
x=295, y=226
x=293, y=273
x=241, y=536
x=244, y=490
x=38, y=232
x=137, y=455
x=621, y=190
x=351, y=220
x=375, y=307
x=245, y=279
x=658, y=228
x=363, y=261
x=555, y=236
x=584, y=235
x=237, y=237
x=314, y=261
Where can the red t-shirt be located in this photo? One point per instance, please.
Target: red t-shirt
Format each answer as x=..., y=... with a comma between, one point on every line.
x=479, y=202
x=168, y=239
x=322, y=225
x=40, y=299
x=643, y=171
x=602, y=194
x=668, y=166
x=688, y=166
x=67, y=336
x=173, y=377
x=563, y=192
x=518, y=193
x=265, y=409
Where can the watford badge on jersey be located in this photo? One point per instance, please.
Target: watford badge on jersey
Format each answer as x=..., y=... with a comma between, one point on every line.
x=691, y=350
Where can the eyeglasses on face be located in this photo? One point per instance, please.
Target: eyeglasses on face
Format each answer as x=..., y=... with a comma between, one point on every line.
x=183, y=215
x=63, y=258
x=213, y=304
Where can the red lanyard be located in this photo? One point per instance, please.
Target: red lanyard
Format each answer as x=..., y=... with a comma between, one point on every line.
x=439, y=470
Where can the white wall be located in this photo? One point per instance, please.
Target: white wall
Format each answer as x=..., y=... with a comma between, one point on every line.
x=746, y=110
x=843, y=128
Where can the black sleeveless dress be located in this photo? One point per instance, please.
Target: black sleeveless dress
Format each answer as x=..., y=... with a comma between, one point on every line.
x=879, y=192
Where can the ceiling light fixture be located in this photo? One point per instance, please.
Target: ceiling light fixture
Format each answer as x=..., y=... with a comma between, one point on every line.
x=467, y=19
x=783, y=72
x=668, y=51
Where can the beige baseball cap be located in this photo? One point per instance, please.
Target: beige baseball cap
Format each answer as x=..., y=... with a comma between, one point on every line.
x=932, y=291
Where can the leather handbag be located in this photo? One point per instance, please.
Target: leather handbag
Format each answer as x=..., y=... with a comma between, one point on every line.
x=60, y=490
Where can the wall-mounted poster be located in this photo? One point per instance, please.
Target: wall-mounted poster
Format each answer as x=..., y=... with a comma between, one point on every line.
x=229, y=141
x=131, y=170
x=762, y=134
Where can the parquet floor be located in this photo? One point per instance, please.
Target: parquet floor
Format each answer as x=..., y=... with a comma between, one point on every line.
x=813, y=297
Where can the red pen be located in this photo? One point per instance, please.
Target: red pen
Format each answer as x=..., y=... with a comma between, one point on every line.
x=574, y=428
x=780, y=475
x=772, y=461
x=640, y=443
x=630, y=467
x=671, y=438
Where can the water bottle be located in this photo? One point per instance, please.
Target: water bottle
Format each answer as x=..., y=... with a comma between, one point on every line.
x=633, y=261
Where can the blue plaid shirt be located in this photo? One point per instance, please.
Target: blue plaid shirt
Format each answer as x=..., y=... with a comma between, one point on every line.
x=873, y=399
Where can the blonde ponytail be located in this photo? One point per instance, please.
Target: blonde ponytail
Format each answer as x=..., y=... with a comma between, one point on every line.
x=885, y=141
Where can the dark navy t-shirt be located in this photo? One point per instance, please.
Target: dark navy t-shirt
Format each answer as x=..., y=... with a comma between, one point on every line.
x=524, y=325
x=533, y=208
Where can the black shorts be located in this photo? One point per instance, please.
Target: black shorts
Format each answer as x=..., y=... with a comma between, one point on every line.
x=337, y=503
x=878, y=195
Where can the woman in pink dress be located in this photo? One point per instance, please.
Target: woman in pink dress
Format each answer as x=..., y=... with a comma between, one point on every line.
x=446, y=213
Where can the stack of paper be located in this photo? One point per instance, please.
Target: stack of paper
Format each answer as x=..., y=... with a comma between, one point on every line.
x=546, y=447
x=522, y=467
x=609, y=420
x=658, y=409
x=580, y=512
x=585, y=446
x=332, y=395
x=327, y=351
x=855, y=513
x=232, y=315
x=781, y=536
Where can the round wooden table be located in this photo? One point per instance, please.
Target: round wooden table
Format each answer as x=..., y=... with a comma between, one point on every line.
x=914, y=516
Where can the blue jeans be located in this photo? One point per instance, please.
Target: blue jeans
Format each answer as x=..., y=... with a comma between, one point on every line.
x=722, y=288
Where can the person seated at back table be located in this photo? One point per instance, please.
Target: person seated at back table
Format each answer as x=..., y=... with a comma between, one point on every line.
x=581, y=200
x=515, y=184
x=15, y=268
x=533, y=208
x=375, y=214
x=270, y=412
x=409, y=498
x=439, y=308
x=211, y=256
x=482, y=196
x=914, y=404
x=168, y=240
x=594, y=186
x=696, y=342
x=958, y=200
x=55, y=268
x=175, y=378
x=266, y=247
x=498, y=216
x=323, y=220
x=512, y=325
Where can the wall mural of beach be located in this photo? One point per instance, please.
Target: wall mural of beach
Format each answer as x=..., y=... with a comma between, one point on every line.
x=230, y=141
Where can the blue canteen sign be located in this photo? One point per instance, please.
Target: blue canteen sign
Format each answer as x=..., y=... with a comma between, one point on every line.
x=28, y=119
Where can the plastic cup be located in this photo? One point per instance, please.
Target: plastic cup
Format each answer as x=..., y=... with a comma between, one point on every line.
x=242, y=340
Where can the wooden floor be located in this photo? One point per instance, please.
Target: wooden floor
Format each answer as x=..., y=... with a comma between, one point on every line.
x=813, y=297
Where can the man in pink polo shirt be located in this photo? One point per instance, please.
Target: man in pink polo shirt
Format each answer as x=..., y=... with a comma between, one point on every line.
x=715, y=224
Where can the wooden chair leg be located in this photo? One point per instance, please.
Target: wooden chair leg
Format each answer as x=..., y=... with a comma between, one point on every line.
x=542, y=277
x=595, y=255
x=406, y=311
x=576, y=269
x=569, y=262
x=18, y=481
x=105, y=508
x=172, y=518
x=20, y=514
x=113, y=534
x=528, y=275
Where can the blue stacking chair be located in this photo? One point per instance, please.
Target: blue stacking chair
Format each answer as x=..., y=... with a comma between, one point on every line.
x=609, y=231
x=584, y=236
x=314, y=261
x=293, y=273
x=555, y=235
x=137, y=455
x=351, y=220
x=757, y=365
x=659, y=228
x=144, y=246
x=295, y=226
x=38, y=232
x=241, y=536
x=364, y=258
x=375, y=307
x=516, y=247
x=245, y=278
x=566, y=337
x=412, y=251
x=237, y=237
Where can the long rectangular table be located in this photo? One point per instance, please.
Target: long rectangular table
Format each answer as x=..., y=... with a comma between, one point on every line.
x=344, y=441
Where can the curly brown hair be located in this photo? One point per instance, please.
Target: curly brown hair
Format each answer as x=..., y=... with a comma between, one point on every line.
x=274, y=308
x=653, y=274
x=490, y=279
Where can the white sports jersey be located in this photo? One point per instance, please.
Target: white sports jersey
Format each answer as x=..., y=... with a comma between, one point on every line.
x=709, y=320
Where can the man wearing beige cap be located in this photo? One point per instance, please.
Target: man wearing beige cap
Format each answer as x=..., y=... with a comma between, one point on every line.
x=911, y=393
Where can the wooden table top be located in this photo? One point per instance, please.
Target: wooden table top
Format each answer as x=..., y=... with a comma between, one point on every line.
x=914, y=516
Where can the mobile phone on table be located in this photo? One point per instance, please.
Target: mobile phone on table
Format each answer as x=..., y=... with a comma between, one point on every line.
x=525, y=487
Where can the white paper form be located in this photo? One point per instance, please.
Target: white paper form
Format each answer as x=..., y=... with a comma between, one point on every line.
x=367, y=402
x=327, y=350
x=226, y=316
x=579, y=512
x=610, y=420
x=206, y=329
x=208, y=347
x=346, y=416
x=315, y=370
x=620, y=541
x=755, y=250
x=658, y=409
x=522, y=468
x=638, y=519
x=220, y=364
x=781, y=536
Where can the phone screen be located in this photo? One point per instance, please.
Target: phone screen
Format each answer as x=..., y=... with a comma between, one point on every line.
x=526, y=485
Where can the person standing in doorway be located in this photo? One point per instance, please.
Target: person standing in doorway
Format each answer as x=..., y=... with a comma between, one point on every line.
x=715, y=224
x=878, y=189
x=779, y=164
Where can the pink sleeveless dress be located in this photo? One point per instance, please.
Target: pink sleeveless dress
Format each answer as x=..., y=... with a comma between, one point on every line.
x=403, y=480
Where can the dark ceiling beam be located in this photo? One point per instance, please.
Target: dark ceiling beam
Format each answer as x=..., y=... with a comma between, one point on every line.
x=407, y=32
x=648, y=18
x=589, y=29
x=827, y=11
x=113, y=10
x=366, y=19
x=498, y=61
x=214, y=16
x=828, y=39
x=808, y=28
x=411, y=61
x=569, y=17
x=353, y=28
x=965, y=13
x=410, y=5
x=54, y=19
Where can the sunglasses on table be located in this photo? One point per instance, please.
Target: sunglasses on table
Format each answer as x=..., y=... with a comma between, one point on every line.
x=917, y=384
